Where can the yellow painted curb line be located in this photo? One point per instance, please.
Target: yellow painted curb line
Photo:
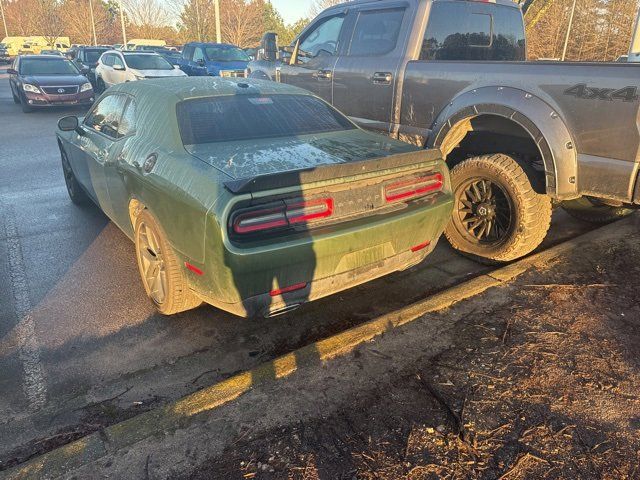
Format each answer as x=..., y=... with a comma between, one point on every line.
x=176, y=415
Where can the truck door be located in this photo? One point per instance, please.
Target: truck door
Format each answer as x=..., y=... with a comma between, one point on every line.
x=366, y=73
x=316, y=57
x=187, y=55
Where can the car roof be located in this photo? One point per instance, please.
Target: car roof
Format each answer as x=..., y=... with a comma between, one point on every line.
x=45, y=57
x=355, y=3
x=185, y=88
x=211, y=44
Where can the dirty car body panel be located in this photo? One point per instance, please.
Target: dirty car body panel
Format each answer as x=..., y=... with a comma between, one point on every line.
x=269, y=220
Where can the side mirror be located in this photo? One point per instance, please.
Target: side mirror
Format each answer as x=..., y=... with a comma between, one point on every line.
x=12, y=71
x=85, y=70
x=69, y=123
x=268, y=47
x=200, y=62
x=120, y=68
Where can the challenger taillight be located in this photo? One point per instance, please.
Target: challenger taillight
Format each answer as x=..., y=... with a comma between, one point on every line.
x=282, y=216
x=414, y=188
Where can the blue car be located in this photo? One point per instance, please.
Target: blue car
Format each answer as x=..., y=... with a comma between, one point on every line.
x=213, y=59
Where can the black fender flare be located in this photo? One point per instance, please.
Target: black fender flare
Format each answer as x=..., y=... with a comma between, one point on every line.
x=539, y=119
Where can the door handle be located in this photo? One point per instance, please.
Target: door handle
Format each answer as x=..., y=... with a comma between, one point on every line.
x=382, y=78
x=323, y=74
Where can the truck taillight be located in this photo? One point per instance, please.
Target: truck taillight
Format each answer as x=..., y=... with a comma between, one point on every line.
x=282, y=216
x=414, y=188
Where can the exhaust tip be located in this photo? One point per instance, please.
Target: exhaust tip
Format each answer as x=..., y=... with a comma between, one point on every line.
x=281, y=311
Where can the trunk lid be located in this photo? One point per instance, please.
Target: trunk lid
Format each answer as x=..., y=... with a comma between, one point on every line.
x=253, y=158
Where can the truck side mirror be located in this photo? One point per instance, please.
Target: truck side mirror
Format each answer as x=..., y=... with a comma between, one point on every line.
x=268, y=47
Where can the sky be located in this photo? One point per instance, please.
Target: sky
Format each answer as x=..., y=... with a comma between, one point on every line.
x=292, y=10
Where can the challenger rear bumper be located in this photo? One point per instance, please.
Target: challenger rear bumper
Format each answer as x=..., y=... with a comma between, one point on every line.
x=327, y=263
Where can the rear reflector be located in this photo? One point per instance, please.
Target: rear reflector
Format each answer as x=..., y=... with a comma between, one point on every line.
x=422, y=246
x=193, y=268
x=284, y=216
x=292, y=288
x=414, y=188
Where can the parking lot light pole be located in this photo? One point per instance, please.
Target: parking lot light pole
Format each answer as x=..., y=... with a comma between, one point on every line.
x=124, y=33
x=93, y=23
x=566, y=39
x=216, y=4
x=4, y=21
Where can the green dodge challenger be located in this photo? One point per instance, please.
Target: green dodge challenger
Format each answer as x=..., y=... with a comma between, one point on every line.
x=252, y=196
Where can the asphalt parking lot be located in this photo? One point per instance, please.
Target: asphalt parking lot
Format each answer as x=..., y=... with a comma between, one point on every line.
x=80, y=345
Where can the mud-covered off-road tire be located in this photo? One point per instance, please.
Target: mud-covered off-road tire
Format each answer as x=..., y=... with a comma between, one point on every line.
x=178, y=297
x=529, y=211
x=593, y=211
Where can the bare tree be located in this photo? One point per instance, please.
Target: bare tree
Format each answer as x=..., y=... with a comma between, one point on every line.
x=48, y=20
x=146, y=16
x=77, y=21
x=242, y=22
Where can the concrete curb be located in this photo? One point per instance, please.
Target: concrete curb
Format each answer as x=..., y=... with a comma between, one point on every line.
x=179, y=414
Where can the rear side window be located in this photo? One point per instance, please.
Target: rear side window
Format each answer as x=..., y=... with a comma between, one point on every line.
x=244, y=117
x=376, y=32
x=473, y=31
x=105, y=117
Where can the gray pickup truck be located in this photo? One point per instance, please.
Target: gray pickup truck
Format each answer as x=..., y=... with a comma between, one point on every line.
x=519, y=136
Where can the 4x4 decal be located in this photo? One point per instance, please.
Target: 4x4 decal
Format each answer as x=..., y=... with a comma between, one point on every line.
x=626, y=94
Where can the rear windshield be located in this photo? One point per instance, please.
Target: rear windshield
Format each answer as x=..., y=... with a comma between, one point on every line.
x=474, y=31
x=146, y=61
x=47, y=66
x=226, y=54
x=245, y=117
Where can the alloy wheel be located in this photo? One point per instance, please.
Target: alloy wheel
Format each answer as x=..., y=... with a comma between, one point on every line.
x=152, y=263
x=483, y=211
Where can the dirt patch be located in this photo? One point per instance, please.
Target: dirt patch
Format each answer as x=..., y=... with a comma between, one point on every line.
x=545, y=386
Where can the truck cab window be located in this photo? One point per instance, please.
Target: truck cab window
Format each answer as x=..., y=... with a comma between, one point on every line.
x=187, y=53
x=198, y=55
x=472, y=31
x=376, y=32
x=323, y=38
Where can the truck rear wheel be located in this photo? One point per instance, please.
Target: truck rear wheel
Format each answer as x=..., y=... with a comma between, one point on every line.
x=594, y=211
x=497, y=216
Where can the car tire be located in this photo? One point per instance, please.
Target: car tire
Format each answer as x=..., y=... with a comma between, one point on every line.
x=162, y=275
x=75, y=191
x=593, y=210
x=26, y=108
x=498, y=216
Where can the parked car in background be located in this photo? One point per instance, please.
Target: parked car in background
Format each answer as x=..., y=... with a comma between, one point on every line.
x=45, y=81
x=118, y=67
x=56, y=53
x=86, y=58
x=171, y=56
x=213, y=59
x=134, y=43
x=4, y=54
x=452, y=74
x=251, y=196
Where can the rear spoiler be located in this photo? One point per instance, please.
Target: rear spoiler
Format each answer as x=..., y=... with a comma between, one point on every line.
x=292, y=178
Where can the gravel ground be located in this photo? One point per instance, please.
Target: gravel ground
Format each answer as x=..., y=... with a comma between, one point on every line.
x=542, y=385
